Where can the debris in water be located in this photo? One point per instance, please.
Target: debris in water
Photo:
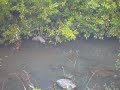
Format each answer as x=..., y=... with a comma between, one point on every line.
x=0, y=63
x=66, y=84
x=69, y=76
x=39, y=38
x=6, y=56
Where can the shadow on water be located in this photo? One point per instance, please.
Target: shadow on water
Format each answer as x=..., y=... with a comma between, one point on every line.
x=45, y=63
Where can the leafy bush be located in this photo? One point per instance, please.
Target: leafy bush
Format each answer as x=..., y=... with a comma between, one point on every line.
x=59, y=19
x=117, y=64
x=111, y=87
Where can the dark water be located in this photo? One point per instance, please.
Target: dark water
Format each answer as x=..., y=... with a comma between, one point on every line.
x=45, y=64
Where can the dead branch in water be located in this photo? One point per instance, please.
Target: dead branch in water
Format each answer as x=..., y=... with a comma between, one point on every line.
x=24, y=79
x=86, y=86
x=19, y=80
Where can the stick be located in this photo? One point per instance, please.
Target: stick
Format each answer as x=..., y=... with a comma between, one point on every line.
x=63, y=71
x=90, y=78
x=94, y=86
x=75, y=63
x=21, y=81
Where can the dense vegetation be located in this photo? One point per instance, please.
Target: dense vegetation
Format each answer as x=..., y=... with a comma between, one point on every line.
x=59, y=20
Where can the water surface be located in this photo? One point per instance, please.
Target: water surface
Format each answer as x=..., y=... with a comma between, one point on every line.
x=44, y=63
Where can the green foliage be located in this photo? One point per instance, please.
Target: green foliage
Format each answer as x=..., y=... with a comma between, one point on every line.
x=60, y=20
x=36, y=89
x=12, y=34
x=3, y=1
x=117, y=64
x=111, y=87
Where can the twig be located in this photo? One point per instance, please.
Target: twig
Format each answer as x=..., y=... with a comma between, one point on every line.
x=86, y=79
x=94, y=86
x=69, y=60
x=86, y=86
x=21, y=81
x=63, y=71
x=75, y=63
x=29, y=81
x=27, y=75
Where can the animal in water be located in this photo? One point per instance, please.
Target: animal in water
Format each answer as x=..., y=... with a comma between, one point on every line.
x=39, y=38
